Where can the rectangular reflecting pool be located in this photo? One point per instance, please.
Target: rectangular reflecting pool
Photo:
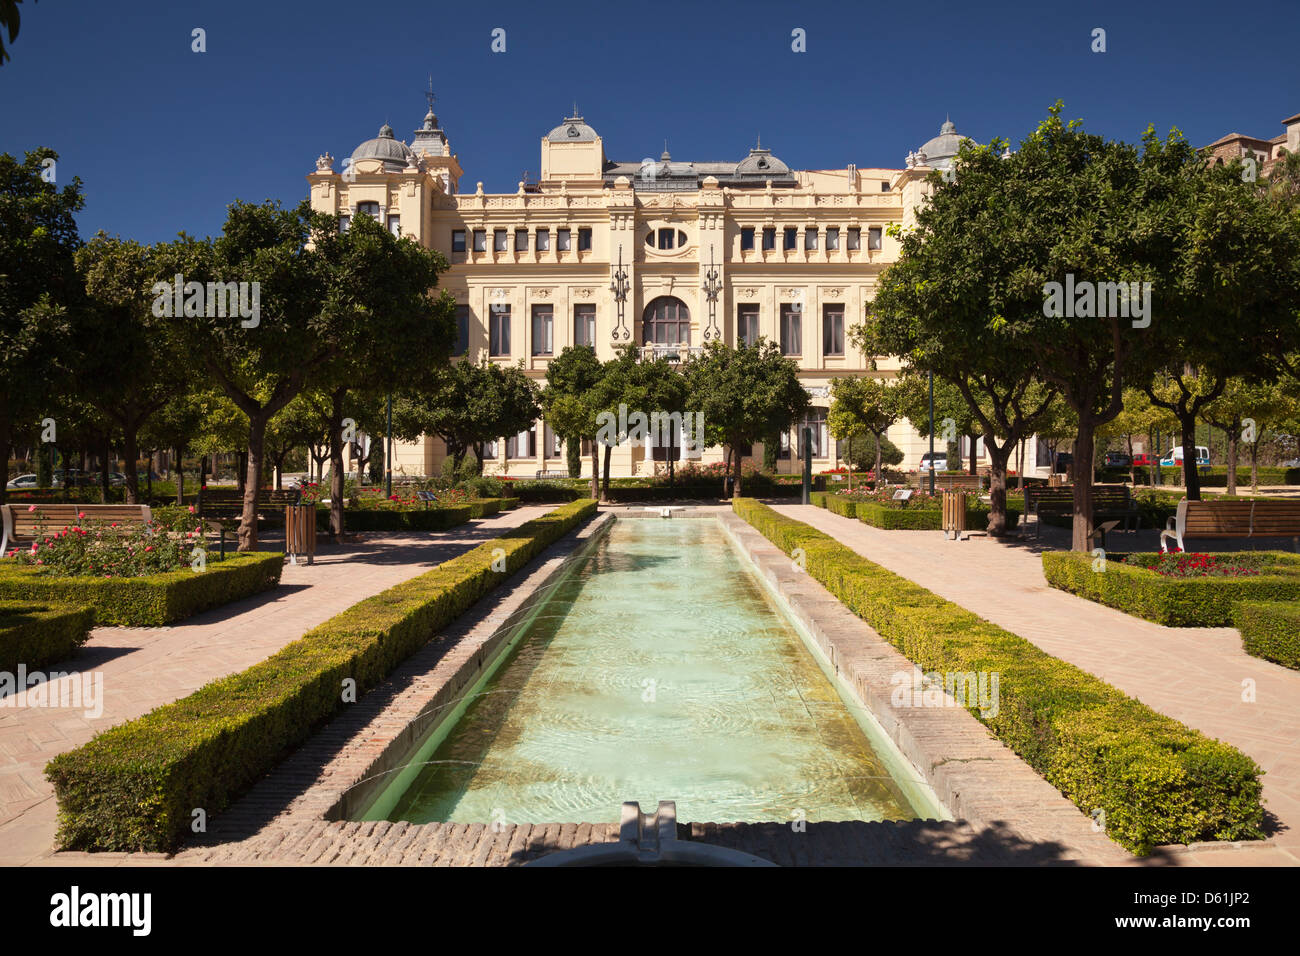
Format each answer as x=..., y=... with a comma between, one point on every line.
x=659, y=668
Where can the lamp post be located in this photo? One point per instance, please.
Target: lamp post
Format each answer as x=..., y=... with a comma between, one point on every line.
x=712, y=286
x=931, y=436
x=619, y=286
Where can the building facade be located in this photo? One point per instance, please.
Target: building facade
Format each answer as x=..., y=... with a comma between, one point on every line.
x=793, y=254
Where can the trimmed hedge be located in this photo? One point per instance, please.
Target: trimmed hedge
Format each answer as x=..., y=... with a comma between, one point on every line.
x=133, y=787
x=152, y=600
x=1174, y=602
x=509, y=504
x=1270, y=629
x=905, y=519
x=1157, y=780
x=36, y=634
x=417, y=518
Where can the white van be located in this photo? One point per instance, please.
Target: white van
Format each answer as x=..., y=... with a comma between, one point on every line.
x=1175, y=457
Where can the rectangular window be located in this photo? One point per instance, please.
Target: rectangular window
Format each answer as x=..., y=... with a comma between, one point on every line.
x=832, y=237
x=671, y=447
x=500, y=240
x=523, y=445
x=370, y=209
x=791, y=238
x=584, y=240
x=884, y=187
x=746, y=239
x=491, y=450
x=499, y=330
x=395, y=226
x=791, y=329
x=855, y=237
x=521, y=240
x=810, y=237
x=543, y=240
x=553, y=445
x=584, y=325
x=562, y=240
x=458, y=240
x=462, y=331
x=480, y=240
x=769, y=237
x=747, y=325
x=783, y=450
x=874, y=237
x=816, y=421
x=665, y=238
x=833, y=330
x=344, y=222
x=543, y=325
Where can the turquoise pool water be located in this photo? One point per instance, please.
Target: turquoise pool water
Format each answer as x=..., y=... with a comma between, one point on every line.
x=660, y=669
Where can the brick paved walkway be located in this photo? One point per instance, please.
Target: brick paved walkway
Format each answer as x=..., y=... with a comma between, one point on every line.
x=145, y=667
x=1192, y=674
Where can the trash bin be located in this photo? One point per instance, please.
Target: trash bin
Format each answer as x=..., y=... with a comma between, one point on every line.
x=300, y=531
x=954, y=513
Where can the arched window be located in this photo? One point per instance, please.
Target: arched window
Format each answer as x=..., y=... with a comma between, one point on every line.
x=666, y=321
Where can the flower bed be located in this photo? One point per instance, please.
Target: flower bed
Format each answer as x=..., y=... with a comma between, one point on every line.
x=38, y=633
x=150, y=600
x=1270, y=629
x=134, y=786
x=1132, y=584
x=112, y=549
x=1157, y=780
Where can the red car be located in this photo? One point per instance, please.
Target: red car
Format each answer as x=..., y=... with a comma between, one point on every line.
x=1144, y=459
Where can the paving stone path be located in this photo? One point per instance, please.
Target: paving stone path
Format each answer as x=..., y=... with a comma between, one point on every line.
x=145, y=667
x=1194, y=675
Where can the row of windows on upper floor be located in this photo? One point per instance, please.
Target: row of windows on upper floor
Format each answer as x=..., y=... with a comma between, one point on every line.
x=463, y=240
x=666, y=323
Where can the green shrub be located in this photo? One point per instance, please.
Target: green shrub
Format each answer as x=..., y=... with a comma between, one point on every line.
x=1269, y=629
x=1157, y=780
x=152, y=600
x=924, y=519
x=509, y=504
x=481, y=486
x=1174, y=602
x=133, y=787
x=36, y=634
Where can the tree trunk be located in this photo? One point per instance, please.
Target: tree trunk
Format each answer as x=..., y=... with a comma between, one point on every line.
x=336, y=462
x=735, y=489
x=256, y=441
x=180, y=479
x=1191, y=477
x=103, y=471
x=1254, y=463
x=1132, y=468
x=879, y=456
x=1081, y=539
x=131, y=449
x=609, y=451
x=595, y=470
x=974, y=454
x=6, y=439
x=241, y=468
x=998, y=458
x=1232, y=432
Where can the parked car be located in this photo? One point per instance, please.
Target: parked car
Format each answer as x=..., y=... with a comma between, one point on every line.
x=22, y=482
x=1117, y=459
x=1175, y=456
x=1293, y=463
x=934, y=461
x=1142, y=459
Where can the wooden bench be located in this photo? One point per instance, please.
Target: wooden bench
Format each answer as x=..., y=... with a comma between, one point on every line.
x=1108, y=501
x=1248, y=518
x=21, y=523
x=219, y=508
x=947, y=481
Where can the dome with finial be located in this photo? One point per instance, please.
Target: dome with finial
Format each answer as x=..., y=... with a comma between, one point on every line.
x=393, y=152
x=573, y=130
x=761, y=164
x=940, y=151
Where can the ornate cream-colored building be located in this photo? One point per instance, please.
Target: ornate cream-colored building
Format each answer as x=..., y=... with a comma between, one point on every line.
x=793, y=255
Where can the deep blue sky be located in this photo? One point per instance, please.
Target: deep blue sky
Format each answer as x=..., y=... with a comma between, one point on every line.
x=163, y=138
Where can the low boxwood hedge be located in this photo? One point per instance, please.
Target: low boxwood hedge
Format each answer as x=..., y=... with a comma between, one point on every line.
x=134, y=786
x=36, y=634
x=417, y=518
x=1173, y=601
x=509, y=504
x=1157, y=780
x=1270, y=629
x=152, y=600
x=906, y=519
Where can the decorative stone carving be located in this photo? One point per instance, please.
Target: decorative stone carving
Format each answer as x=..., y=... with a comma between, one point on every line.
x=325, y=163
x=584, y=293
x=832, y=293
x=543, y=293
x=747, y=293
